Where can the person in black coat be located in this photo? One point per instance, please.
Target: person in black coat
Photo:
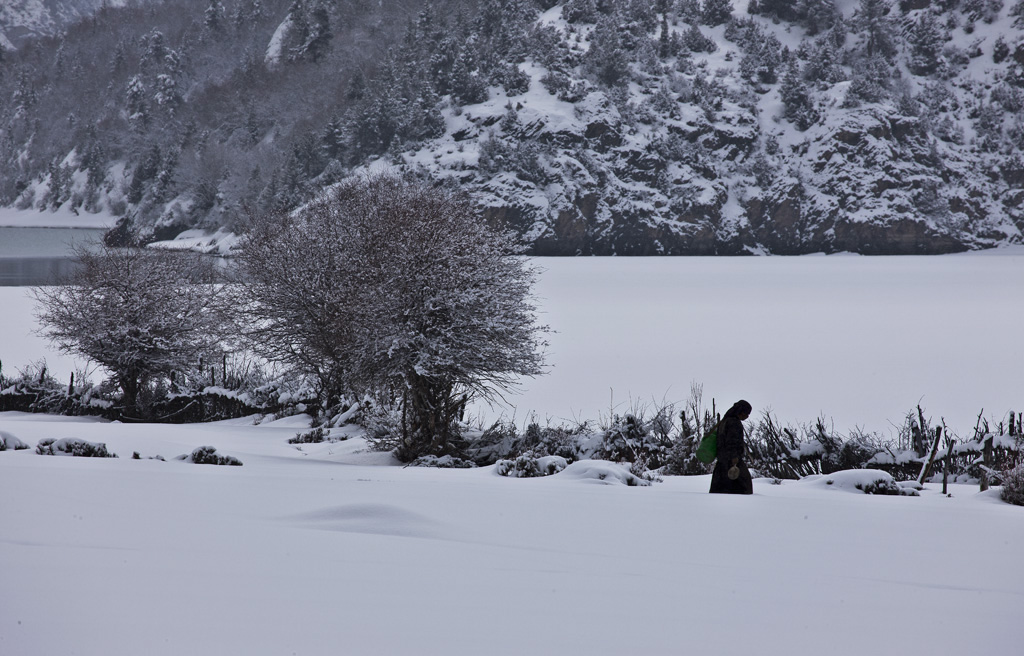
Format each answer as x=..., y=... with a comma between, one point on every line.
x=731, y=475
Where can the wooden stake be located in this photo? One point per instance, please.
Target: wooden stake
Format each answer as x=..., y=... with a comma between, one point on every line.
x=946, y=463
x=987, y=460
x=931, y=458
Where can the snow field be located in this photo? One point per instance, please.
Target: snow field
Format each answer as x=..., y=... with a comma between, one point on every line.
x=330, y=549
x=860, y=340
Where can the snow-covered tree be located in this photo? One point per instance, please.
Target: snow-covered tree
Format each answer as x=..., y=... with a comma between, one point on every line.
x=144, y=315
x=716, y=12
x=823, y=63
x=214, y=17
x=606, y=59
x=873, y=21
x=871, y=81
x=818, y=15
x=926, y=37
x=797, y=98
x=390, y=286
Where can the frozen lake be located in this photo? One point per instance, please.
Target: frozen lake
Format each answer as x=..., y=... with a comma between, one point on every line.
x=860, y=340
x=33, y=255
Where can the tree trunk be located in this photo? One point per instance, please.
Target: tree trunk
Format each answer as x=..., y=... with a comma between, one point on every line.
x=130, y=393
x=430, y=420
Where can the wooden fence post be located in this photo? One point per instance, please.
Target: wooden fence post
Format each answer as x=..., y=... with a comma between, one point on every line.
x=946, y=463
x=987, y=462
x=931, y=457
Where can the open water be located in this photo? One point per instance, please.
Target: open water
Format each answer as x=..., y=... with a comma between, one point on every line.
x=37, y=256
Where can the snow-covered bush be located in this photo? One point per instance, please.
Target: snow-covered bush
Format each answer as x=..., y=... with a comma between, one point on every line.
x=383, y=424
x=606, y=473
x=568, y=442
x=314, y=436
x=868, y=481
x=72, y=446
x=530, y=466
x=9, y=442
x=502, y=441
x=207, y=455
x=1013, y=486
x=442, y=462
x=633, y=438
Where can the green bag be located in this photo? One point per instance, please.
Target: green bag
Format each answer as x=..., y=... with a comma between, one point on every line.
x=708, y=448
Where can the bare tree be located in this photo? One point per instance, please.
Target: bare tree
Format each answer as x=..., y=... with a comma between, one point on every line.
x=392, y=286
x=144, y=315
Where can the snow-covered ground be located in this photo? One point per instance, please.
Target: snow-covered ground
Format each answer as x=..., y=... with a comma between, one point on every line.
x=861, y=340
x=330, y=549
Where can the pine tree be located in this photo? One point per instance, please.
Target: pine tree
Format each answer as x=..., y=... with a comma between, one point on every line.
x=873, y=21
x=871, y=80
x=606, y=59
x=788, y=10
x=664, y=39
x=824, y=63
x=580, y=11
x=156, y=49
x=136, y=103
x=796, y=97
x=320, y=33
x=144, y=172
x=213, y=17
x=716, y=12
x=926, y=37
x=818, y=15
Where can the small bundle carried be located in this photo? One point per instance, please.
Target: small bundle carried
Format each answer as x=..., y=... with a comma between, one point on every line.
x=707, y=450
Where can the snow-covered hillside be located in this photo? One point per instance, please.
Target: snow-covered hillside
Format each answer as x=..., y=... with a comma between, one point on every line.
x=614, y=127
x=327, y=549
x=693, y=154
x=24, y=19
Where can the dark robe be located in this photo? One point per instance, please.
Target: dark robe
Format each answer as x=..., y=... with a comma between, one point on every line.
x=731, y=448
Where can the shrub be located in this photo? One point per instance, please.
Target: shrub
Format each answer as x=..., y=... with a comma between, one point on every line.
x=880, y=487
x=1013, y=486
x=10, y=442
x=530, y=466
x=72, y=446
x=383, y=424
x=207, y=455
x=442, y=462
x=634, y=439
x=314, y=436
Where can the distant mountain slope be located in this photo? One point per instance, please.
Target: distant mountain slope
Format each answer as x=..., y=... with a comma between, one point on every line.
x=589, y=126
x=25, y=19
